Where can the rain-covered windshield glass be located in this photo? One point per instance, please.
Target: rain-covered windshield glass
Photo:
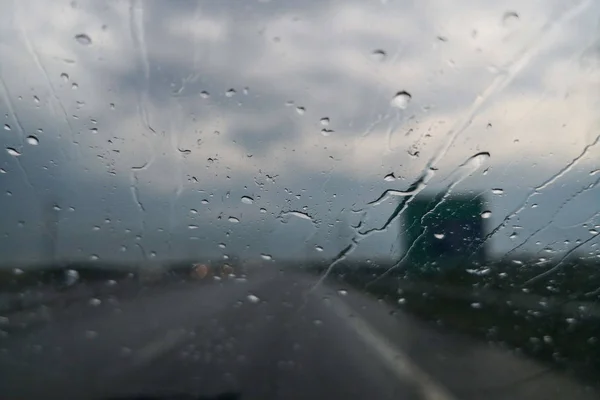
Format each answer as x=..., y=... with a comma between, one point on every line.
x=300, y=199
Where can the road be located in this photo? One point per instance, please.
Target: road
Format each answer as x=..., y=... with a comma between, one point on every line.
x=274, y=335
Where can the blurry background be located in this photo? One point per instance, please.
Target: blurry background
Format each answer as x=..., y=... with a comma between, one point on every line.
x=155, y=130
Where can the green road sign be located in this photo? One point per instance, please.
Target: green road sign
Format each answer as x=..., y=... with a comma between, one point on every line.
x=439, y=232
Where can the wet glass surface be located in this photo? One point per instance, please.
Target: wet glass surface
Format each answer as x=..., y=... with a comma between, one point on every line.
x=441, y=156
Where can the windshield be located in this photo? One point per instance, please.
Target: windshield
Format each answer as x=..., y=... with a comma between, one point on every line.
x=288, y=199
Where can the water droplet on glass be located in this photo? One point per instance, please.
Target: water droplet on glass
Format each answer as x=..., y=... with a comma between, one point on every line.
x=267, y=257
x=36, y=100
x=204, y=94
x=65, y=77
x=401, y=300
x=401, y=99
x=317, y=322
x=252, y=298
x=94, y=257
x=326, y=132
x=389, y=177
x=439, y=235
x=95, y=302
x=342, y=292
x=486, y=214
x=230, y=93
x=318, y=248
x=74, y=86
x=192, y=226
x=32, y=140
x=204, y=201
x=509, y=17
x=7, y=127
x=247, y=200
x=71, y=277
x=476, y=305
x=263, y=210
x=83, y=39
x=378, y=55
x=324, y=121
x=233, y=220
x=13, y=152
x=300, y=110
x=497, y=191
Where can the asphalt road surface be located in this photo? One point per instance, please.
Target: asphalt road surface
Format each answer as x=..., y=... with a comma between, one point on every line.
x=274, y=335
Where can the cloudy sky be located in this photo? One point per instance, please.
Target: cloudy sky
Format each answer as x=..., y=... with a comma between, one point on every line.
x=158, y=129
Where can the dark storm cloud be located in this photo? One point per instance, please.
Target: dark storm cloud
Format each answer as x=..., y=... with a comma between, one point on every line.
x=264, y=149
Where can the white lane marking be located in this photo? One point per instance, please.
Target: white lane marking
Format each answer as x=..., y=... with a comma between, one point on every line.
x=161, y=346
x=397, y=361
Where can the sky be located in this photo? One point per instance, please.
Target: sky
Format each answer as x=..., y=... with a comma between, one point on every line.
x=162, y=130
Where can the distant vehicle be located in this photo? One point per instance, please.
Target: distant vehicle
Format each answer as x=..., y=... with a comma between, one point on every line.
x=204, y=271
x=200, y=271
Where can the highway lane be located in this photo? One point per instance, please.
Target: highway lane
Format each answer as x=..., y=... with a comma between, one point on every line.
x=273, y=335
